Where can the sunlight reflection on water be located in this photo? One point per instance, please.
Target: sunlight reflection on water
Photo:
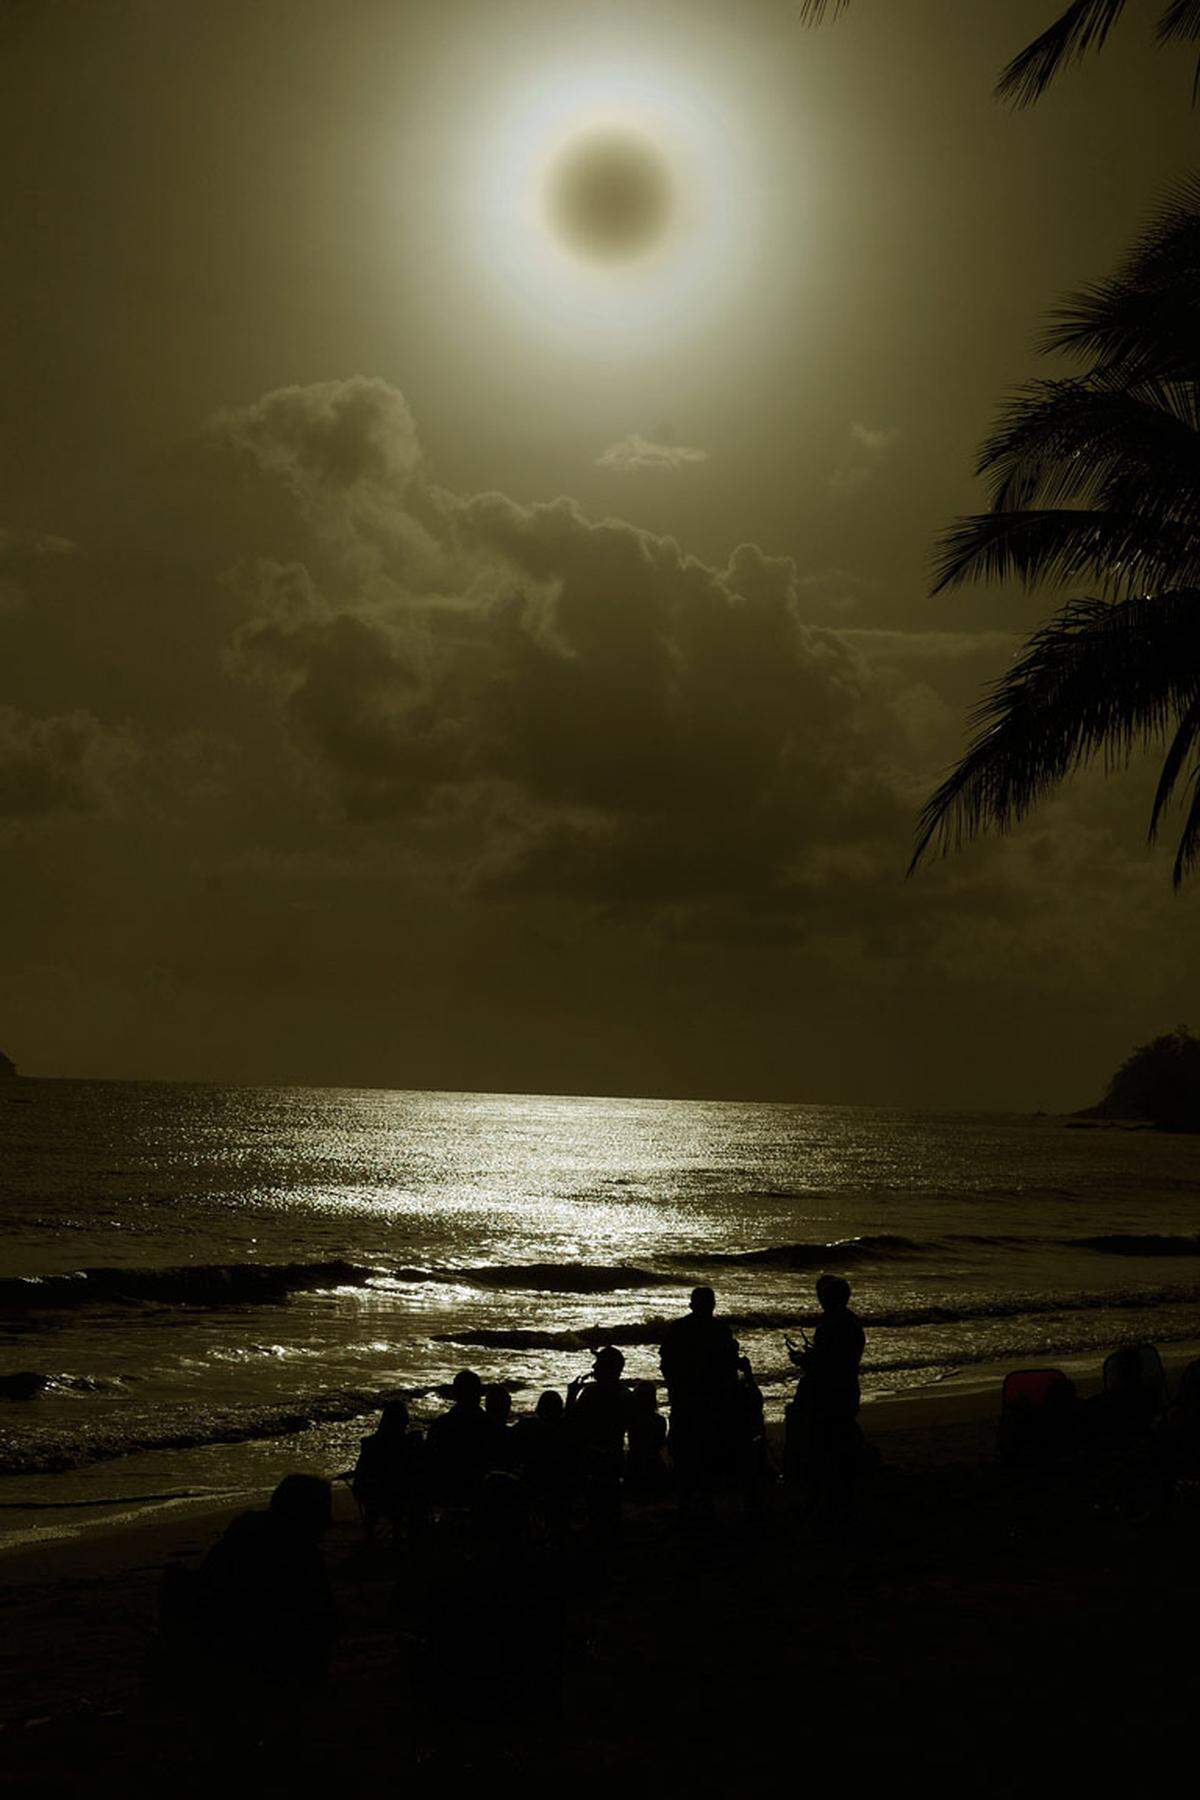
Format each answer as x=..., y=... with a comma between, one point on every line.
x=429, y=1191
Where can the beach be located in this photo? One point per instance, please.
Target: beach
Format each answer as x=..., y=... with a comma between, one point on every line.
x=199, y=1284
x=974, y=1626
x=210, y=1287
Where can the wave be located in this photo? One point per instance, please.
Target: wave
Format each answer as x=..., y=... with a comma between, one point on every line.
x=561, y=1278
x=594, y=1337
x=46, y=1453
x=882, y=1246
x=190, y=1284
x=1126, y=1243
x=901, y=1318
x=27, y=1384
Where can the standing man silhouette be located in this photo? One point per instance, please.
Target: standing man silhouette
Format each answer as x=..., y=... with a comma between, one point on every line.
x=699, y=1362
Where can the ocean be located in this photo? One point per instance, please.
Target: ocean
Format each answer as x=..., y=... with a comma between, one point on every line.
x=208, y=1286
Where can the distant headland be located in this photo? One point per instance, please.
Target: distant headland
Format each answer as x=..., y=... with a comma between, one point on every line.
x=8, y=1067
x=1158, y=1083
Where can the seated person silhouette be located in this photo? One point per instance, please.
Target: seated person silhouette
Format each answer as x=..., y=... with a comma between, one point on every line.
x=389, y=1477
x=497, y=1410
x=699, y=1364
x=545, y=1459
x=823, y=1438
x=262, y=1613
x=597, y=1418
x=1121, y=1418
x=457, y=1443
x=645, y=1465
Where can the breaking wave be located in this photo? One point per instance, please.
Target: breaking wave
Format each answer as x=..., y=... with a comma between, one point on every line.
x=1150, y=1243
x=48, y=1453
x=900, y=1318
x=560, y=1278
x=191, y=1284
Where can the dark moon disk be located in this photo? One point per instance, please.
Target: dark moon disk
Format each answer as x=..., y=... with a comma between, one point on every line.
x=609, y=195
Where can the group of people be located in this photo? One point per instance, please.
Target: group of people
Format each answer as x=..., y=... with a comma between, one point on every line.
x=504, y=1495
x=608, y=1439
x=605, y=1440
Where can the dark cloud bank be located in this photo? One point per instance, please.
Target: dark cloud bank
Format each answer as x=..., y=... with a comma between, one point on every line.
x=312, y=769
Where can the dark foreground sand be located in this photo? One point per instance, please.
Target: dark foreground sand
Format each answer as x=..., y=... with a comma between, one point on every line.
x=978, y=1632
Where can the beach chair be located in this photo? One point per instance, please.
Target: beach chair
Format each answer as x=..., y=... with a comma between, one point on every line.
x=1039, y=1413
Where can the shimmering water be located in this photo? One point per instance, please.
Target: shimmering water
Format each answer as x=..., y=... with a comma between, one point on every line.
x=264, y=1264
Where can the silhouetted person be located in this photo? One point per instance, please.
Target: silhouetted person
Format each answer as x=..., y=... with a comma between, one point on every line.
x=457, y=1443
x=546, y=1461
x=699, y=1364
x=645, y=1465
x=598, y=1411
x=1127, y=1408
x=263, y=1614
x=822, y=1416
x=497, y=1410
x=752, y=1460
x=389, y=1480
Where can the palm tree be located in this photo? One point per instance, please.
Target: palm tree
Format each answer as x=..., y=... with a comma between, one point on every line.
x=1095, y=476
x=1082, y=26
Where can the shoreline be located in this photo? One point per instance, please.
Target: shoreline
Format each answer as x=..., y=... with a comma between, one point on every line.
x=958, y=1578
x=960, y=1403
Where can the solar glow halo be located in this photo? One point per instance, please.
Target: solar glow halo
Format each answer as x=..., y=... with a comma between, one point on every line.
x=676, y=269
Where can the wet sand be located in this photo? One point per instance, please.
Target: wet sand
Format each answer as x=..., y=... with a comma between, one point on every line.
x=975, y=1630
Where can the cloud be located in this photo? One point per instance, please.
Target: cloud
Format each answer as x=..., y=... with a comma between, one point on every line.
x=633, y=453
x=58, y=764
x=21, y=555
x=874, y=439
x=869, y=446
x=384, y=781
x=631, y=725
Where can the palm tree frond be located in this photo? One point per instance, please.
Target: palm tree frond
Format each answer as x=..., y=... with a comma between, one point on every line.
x=1089, y=442
x=1189, y=841
x=1142, y=322
x=1082, y=26
x=1177, y=755
x=1099, y=676
x=812, y=12
x=1124, y=552
x=1180, y=20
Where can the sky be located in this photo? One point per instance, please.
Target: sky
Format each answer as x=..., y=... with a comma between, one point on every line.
x=436, y=654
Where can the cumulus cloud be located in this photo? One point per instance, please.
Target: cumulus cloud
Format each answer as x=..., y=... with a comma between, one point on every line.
x=634, y=453
x=635, y=724
x=504, y=775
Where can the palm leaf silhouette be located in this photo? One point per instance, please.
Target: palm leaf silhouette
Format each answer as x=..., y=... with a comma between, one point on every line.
x=1096, y=477
x=1082, y=26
